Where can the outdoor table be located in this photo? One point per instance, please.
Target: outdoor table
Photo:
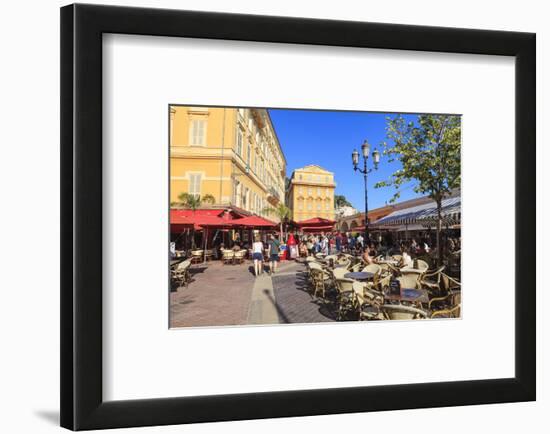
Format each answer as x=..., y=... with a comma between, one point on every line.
x=409, y=294
x=412, y=270
x=359, y=275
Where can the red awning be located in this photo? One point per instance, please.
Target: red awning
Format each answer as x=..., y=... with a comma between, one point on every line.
x=200, y=218
x=254, y=222
x=316, y=222
x=317, y=228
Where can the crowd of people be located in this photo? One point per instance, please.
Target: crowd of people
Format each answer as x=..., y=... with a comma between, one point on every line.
x=303, y=245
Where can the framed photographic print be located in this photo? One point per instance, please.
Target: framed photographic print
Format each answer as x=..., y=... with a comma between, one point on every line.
x=272, y=217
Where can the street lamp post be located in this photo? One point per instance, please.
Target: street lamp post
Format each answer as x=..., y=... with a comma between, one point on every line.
x=365, y=148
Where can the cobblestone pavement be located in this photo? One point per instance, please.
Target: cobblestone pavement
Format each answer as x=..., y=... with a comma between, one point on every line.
x=220, y=295
x=293, y=303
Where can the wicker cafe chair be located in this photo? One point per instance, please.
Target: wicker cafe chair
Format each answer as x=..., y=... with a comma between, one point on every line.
x=338, y=273
x=422, y=265
x=358, y=266
x=239, y=255
x=196, y=256
x=228, y=256
x=402, y=312
x=310, y=266
x=347, y=298
x=370, y=301
x=321, y=281
x=432, y=280
x=445, y=307
x=448, y=283
x=409, y=280
x=180, y=273
x=383, y=284
x=376, y=270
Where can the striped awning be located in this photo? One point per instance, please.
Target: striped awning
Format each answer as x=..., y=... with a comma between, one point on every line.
x=425, y=214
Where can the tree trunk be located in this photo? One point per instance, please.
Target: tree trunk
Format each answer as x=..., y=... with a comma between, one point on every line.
x=439, y=245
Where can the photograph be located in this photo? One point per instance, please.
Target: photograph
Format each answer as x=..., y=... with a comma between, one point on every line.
x=295, y=216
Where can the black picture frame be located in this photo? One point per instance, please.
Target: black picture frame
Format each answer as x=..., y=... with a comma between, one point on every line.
x=82, y=405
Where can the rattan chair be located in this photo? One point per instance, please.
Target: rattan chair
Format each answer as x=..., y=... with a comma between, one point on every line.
x=409, y=280
x=180, y=273
x=432, y=280
x=338, y=273
x=402, y=312
x=446, y=307
x=239, y=255
x=197, y=256
x=348, y=302
x=321, y=281
x=227, y=256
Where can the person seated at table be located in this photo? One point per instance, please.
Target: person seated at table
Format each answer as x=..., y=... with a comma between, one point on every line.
x=406, y=260
x=303, y=249
x=236, y=247
x=367, y=258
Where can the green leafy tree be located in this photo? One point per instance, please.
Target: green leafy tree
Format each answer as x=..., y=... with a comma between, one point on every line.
x=340, y=201
x=281, y=211
x=429, y=153
x=190, y=201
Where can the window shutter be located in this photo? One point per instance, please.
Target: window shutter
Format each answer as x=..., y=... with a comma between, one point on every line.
x=195, y=184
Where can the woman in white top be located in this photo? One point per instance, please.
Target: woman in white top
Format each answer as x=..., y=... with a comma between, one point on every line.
x=407, y=260
x=257, y=255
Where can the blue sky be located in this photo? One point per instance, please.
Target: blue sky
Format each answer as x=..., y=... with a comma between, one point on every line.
x=327, y=138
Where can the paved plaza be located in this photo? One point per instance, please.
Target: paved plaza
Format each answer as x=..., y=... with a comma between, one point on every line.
x=221, y=295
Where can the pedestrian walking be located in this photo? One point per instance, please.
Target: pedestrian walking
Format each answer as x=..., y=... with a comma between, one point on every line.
x=274, y=247
x=257, y=255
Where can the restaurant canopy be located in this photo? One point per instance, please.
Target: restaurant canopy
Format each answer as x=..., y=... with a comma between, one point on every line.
x=181, y=219
x=424, y=215
x=316, y=224
x=254, y=222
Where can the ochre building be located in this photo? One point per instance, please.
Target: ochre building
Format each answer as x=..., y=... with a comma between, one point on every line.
x=311, y=193
x=232, y=154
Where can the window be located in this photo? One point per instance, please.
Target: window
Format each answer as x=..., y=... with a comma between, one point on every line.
x=318, y=191
x=195, y=184
x=300, y=205
x=300, y=190
x=198, y=133
x=319, y=206
x=248, y=154
x=309, y=206
x=239, y=142
x=310, y=191
x=327, y=205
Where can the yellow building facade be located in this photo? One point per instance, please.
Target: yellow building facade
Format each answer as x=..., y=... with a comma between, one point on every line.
x=232, y=154
x=311, y=193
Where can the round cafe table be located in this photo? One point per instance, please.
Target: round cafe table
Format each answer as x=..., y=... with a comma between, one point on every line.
x=359, y=275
